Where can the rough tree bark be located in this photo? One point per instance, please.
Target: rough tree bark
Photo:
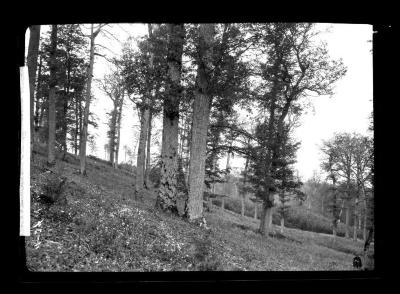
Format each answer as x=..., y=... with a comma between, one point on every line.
x=77, y=128
x=33, y=49
x=52, y=98
x=148, y=156
x=168, y=190
x=37, y=123
x=113, y=126
x=200, y=122
x=84, y=132
x=141, y=154
x=266, y=205
x=266, y=210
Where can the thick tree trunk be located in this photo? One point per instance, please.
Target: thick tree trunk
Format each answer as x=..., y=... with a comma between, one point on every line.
x=141, y=154
x=255, y=210
x=52, y=98
x=32, y=57
x=263, y=218
x=282, y=224
x=84, y=132
x=148, y=156
x=266, y=216
x=201, y=112
x=167, y=193
x=200, y=122
x=168, y=190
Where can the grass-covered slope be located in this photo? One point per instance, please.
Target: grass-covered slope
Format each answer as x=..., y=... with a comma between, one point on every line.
x=95, y=225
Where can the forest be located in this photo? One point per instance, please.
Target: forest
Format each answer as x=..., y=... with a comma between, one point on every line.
x=204, y=95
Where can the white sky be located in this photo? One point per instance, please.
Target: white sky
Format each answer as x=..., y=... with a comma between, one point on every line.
x=347, y=110
x=351, y=105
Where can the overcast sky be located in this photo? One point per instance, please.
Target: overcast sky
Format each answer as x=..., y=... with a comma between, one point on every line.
x=346, y=111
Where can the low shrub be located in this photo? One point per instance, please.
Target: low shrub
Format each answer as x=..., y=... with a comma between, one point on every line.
x=53, y=188
x=303, y=219
x=235, y=205
x=203, y=258
x=126, y=167
x=296, y=217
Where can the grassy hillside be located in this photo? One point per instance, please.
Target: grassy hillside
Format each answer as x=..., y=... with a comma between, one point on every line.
x=95, y=225
x=298, y=217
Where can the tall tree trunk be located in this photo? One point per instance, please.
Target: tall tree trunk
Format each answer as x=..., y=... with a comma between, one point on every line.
x=64, y=126
x=282, y=224
x=186, y=146
x=255, y=210
x=200, y=122
x=118, y=131
x=65, y=110
x=113, y=133
x=38, y=94
x=32, y=57
x=52, y=98
x=168, y=190
x=76, y=133
x=148, y=156
x=141, y=154
x=84, y=132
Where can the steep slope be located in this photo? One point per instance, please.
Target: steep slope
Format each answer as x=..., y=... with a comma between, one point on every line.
x=95, y=225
